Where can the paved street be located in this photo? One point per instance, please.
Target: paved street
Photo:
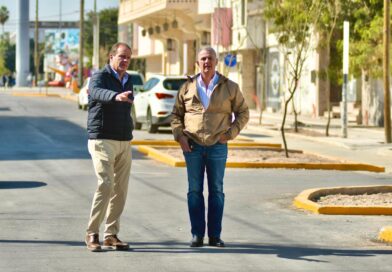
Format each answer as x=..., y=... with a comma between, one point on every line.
x=47, y=183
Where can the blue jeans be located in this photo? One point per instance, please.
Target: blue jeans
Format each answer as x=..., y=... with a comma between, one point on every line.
x=212, y=160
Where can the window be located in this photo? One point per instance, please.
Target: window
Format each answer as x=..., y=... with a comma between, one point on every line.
x=150, y=84
x=136, y=80
x=174, y=84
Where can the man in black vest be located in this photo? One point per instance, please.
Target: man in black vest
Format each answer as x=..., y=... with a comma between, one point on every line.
x=110, y=132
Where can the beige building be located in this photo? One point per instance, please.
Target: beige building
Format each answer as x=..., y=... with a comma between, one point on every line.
x=166, y=35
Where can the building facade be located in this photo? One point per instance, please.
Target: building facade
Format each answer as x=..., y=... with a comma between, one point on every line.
x=167, y=35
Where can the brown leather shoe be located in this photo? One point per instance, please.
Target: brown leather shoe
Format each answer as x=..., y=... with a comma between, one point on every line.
x=112, y=242
x=92, y=242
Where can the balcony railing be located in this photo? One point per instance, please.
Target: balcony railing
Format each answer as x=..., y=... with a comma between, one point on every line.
x=131, y=10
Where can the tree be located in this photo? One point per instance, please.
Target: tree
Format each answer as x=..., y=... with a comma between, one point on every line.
x=7, y=56
x=4, y=15
x=292, y=23
x=331, y=15
x=107, y=36
x=366, y=51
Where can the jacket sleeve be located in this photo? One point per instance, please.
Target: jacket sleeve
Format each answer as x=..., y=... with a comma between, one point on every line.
x=98, y=89
x=178, y=113
x=241, y=113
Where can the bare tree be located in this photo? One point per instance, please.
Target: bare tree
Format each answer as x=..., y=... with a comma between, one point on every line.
x=292, y=22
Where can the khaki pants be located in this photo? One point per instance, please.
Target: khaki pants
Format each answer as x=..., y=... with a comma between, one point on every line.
x=112, y=164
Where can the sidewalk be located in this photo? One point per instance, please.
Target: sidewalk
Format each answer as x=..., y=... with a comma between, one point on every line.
x=363, y=144
x=62, y=92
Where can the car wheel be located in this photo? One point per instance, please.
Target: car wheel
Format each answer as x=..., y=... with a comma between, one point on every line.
x=136, y=125
x=84, y=107
x=151, y=128
x=79, y=106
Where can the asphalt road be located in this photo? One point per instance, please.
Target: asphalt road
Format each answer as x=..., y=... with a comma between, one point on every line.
x=47, y=183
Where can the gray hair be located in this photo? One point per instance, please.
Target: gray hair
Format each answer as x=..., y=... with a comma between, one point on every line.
x=208, y=49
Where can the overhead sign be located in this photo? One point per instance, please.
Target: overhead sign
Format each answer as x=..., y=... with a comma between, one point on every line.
x=230, y=60
x=55, y=24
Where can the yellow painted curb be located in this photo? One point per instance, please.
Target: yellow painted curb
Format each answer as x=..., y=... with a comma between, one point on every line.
x=69, y=97
x=231, y=144
x=160, y=156
x=305, y=200
x=35, y=94
x=170, y=160
x=385, y=234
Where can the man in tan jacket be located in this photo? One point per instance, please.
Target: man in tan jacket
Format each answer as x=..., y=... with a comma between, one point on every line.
x=209, y=111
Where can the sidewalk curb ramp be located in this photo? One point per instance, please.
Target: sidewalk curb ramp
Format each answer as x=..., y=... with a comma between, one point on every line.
x=154, y=153
x=307, y=200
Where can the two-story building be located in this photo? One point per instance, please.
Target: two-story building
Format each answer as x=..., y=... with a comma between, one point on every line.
x=167, y=34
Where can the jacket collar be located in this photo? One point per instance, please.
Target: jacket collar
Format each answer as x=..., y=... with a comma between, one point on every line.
x=192, y=88
x=222, y=78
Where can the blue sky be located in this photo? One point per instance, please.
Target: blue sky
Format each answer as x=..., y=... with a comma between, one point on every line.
x=49, y=10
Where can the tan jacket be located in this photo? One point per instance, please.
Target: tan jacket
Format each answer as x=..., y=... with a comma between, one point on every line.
x=205, y=126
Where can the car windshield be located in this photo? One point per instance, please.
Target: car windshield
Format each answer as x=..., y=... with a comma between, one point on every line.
x=173, y=84
x=136, y=80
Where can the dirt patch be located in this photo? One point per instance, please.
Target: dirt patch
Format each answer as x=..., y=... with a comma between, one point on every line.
x=364, y=200
x=259, y=155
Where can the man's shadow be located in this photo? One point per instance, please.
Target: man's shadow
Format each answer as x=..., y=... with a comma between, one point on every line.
x=292, y=252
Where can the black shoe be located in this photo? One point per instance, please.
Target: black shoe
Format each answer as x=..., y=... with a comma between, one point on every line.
x=216, y=242
x=197, y=241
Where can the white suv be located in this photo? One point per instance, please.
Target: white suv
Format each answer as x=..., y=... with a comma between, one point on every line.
x=154, y=102
x=137, y=82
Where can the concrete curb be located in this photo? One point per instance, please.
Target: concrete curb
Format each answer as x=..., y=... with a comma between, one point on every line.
x=305, y=201
x=170, y=160
x=385, y=234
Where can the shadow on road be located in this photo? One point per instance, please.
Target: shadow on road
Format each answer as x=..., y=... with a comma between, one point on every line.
x=39, y=138
x=299, y=252
x=282, y=251
x=17, y=184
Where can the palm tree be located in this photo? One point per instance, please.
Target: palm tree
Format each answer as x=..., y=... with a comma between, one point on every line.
x=4, y=15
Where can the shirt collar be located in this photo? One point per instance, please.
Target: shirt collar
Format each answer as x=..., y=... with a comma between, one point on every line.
x=213, y=81
x=125, y=77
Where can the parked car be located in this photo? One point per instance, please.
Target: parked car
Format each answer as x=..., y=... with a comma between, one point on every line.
x=154, y=103
x=136, y=78
x=83, y=95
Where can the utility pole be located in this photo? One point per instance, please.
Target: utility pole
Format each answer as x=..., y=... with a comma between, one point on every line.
x=346, y=36
x=386, y=63
x=96, y=38
x=36, y=58
x=22, y=52
x=81, y=34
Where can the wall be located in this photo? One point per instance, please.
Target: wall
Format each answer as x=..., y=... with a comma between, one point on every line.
x=154, y=65
x=372, y=101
